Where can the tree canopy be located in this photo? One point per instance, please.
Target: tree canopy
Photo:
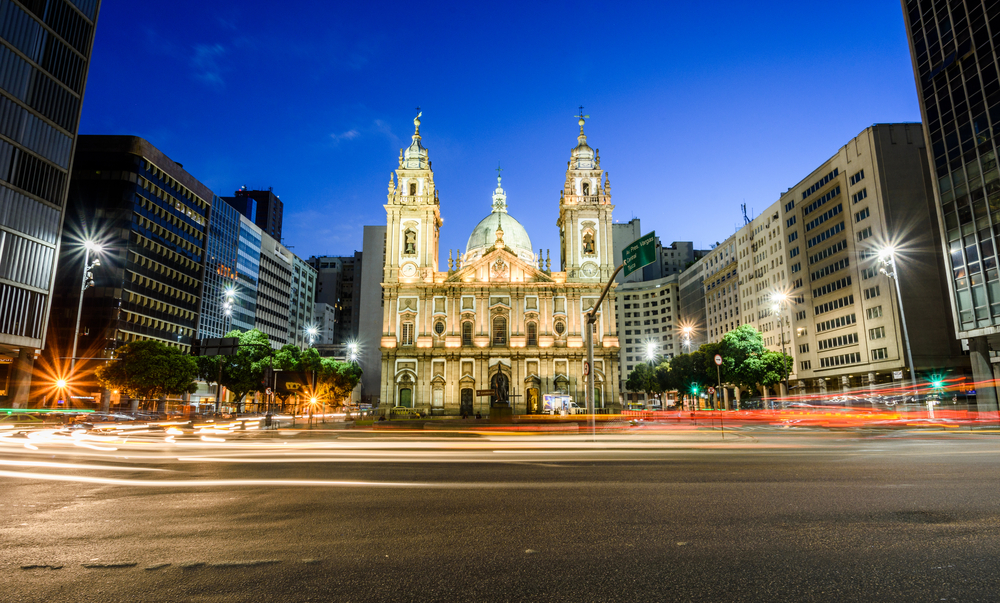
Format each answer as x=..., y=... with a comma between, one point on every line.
x=147, y=370
x=242, y=373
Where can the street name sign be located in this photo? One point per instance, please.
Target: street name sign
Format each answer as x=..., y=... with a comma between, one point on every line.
x=639, y=253
x=485, y=392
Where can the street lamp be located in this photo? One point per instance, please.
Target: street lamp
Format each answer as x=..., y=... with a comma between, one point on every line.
x=86, y=283
x=780, y=298
x=887, y=256
x=312, y=332
x=686, y=332
x=228, y=303
x=352, y=351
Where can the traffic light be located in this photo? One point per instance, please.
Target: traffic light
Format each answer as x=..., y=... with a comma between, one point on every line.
x=196, y=347
x=694, y=389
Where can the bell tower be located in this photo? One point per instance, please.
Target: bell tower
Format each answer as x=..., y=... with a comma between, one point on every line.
x=413, y=216
x=585, y=215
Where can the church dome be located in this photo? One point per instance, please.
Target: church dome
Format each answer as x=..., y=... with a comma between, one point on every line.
x=484, y=235
x=583, y=157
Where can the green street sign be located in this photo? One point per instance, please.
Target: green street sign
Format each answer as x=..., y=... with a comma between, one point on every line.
x=640, y=253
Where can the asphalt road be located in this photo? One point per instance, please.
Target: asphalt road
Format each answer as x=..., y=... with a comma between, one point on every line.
x=761, y=516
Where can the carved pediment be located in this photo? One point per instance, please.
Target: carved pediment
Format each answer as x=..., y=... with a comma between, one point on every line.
x=499, y=265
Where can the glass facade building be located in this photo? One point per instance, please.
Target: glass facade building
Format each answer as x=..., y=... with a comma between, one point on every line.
x=953, y=45
x=44, y=57
x=220, y=268
x=247, y=275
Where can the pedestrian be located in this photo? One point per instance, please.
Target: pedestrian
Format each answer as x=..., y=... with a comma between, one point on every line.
x=479, y=415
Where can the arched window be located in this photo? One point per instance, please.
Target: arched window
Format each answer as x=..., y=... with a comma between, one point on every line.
x=532, y=333
x=467, y=333
x=413, y=189
x=586, y=189
x=499, y=330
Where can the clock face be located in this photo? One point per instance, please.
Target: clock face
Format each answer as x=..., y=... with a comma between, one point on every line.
x=589, y=270
x=408, y=270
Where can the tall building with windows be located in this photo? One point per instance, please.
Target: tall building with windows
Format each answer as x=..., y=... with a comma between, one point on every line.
x=221, y=255
x=954, y=48
x=151, y=218
x=722, y=290
x=247, y=275
x=370, y=323
x=844, y=314
x=45, y=50
x=338, y=284
x=302, y=299
x=691, y=291
x=647, y=314
x=264, y=208
x=274, y=285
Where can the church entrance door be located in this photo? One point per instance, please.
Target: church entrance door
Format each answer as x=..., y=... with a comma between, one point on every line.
x=466, y=408
x=406, y=397
x=533, y=401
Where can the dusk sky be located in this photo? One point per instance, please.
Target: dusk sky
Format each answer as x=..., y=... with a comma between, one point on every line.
x=695, y=107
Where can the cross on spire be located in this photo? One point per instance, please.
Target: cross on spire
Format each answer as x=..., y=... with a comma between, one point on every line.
x=581, y=117
x=499, y=169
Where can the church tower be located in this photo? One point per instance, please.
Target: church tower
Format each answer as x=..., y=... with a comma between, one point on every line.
x=585, y=216
x=413, y=217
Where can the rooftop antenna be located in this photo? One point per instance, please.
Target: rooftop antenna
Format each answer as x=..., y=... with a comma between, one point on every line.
x=746, y=220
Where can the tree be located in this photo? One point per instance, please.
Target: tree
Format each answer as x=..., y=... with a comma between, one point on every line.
x=642, y=379
x=336, y=380
x=748, y=363
x=147, y=370
x=242, y=373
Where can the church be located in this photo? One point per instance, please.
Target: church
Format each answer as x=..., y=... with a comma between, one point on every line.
x=498, y=316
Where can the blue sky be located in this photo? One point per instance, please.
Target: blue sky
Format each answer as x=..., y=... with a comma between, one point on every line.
x=696, y=107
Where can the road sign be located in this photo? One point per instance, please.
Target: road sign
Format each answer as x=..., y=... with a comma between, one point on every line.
x=586, y=368
x=640, y=253
x=718, y=360
x=711, y=390
x=218, y=346
x=897, y=374
x=484, y=392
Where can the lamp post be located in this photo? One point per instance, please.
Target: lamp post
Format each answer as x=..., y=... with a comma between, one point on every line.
x=686, y=341
x=228, y=299
x=779, y=299
x=651, y=349
x=86, y=283
x=312, y=331
x=888, y=258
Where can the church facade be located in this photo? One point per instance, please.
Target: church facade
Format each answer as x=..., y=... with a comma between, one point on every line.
x=498, y=316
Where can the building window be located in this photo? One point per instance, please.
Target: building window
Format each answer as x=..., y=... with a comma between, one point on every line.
x=499, y=330
x=880, y=354
x=466, y=333
x=861, y=215
x=873, y=292
x=532, y=333
x=876, y=333
x=803, y=348
x=439, y=327
x=875, y=312
x=856, y=178
x=861, y=194
x=806, y=365
x=793, y=236
x=407, y=335
x=864, y=234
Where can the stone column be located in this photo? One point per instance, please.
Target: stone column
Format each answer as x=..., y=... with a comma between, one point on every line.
x=20, y=379
x=845, y=384
x=982, y=374
x=105, y=399
x=822, y=386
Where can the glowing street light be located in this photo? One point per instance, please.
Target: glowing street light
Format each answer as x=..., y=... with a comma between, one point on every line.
x=312, y=331
x=61, y=383
x=86, y=283
x=651, y=351
x=887, y=256
x=778, y=299
x=352, y=351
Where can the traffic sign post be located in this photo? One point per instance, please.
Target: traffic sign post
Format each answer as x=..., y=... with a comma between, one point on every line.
x=718, y=373
x=640, y=253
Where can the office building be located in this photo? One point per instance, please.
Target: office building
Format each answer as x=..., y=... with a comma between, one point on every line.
x=646, y=314
x=44, y=58
x=691, y=287
x=762, y=273
x=244, y=315
x=954, y=53
x=221, y=253
x=722, y=294
x=151, y=218
x=324, y=317
x=263, y=207
x=370, y=322
x=844, y=314
x=274, y=285
x=302, y=298
x=338, y=285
